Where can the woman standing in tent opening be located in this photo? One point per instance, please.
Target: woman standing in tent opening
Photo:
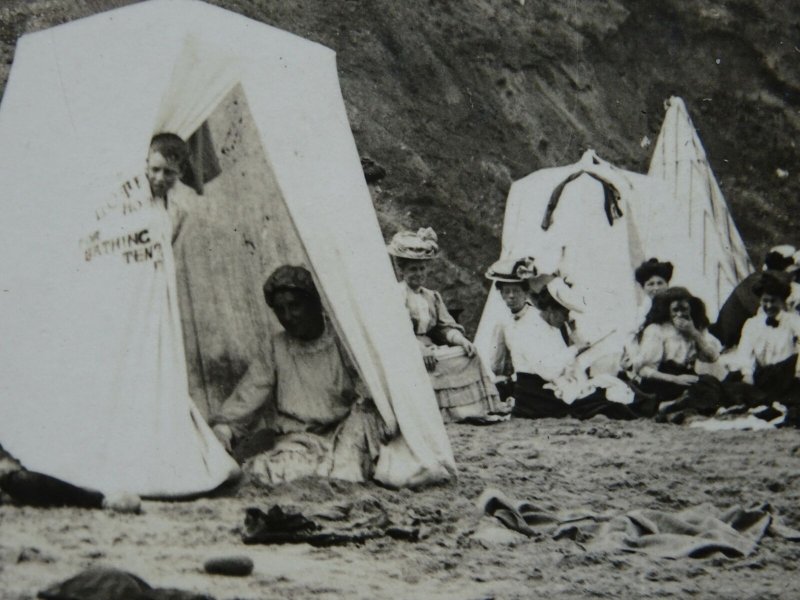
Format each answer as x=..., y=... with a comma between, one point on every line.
x=307, y=392
x=463, y=388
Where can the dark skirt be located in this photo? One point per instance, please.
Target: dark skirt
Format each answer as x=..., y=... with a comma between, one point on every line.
x=533, y=401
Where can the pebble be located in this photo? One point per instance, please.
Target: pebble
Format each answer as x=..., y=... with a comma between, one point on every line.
x=235, y=566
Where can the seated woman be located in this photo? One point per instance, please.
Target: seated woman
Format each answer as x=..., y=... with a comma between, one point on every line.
x=742, y=303
x=463, y=388
x=653, y=276
x=540, y=356
x=306, y=391
x=768, y=348
x=674, y=337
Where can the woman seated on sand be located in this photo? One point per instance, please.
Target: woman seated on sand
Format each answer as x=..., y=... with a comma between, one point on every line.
x=675, y=335
x=653, y=276
x=525, y=344
x=767, y=352
x=306, y=391
x=463, y=387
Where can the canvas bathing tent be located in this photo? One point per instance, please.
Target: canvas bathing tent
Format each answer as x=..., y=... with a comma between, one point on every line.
x=702, y=238
x=94, y=387
x=590, y=222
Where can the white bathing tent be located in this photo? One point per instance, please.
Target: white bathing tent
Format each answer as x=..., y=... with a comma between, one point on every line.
x=702, y=239
x=94, y=378
x=589, y=221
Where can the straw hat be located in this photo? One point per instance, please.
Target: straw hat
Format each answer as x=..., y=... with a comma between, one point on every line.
x=523, y=270
x=422, y=245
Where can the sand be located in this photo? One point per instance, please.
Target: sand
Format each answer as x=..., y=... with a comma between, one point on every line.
x=598, y=465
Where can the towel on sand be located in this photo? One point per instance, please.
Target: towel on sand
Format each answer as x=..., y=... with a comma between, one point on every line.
x=695, y=532
x=104, y=583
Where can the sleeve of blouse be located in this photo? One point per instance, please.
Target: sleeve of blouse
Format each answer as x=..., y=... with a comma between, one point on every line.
x=499, y=358
x=650, y=351
x=446, y=329
x=253, y=391
x=556, y=357
x=745, y=359
x=712, y=348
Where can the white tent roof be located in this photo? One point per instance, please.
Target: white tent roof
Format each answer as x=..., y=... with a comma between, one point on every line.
x=597, y=256
x=81, y=104
x=701, y=239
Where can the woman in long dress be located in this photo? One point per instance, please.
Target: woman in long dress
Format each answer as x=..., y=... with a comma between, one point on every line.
x=463, y=387
x=307, y=393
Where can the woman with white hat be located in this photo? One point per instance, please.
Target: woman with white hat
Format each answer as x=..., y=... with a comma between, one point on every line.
x=463, y=388
x=541, y=357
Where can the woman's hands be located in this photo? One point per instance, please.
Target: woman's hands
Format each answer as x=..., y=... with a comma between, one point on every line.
x=429, y=358
x=468, y=347
x=686, y=379
x=686, y=328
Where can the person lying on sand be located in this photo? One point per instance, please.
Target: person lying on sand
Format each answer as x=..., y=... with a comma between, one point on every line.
x=307, y=392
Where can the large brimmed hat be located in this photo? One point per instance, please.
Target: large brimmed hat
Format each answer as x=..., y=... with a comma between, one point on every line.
x=519, y=270
x=419, y=245
x=566, y=295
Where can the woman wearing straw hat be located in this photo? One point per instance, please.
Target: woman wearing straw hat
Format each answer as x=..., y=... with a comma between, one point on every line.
x=463, y=388
x=540, y=353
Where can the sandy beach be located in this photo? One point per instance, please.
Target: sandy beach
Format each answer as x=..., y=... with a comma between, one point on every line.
x=601, y=466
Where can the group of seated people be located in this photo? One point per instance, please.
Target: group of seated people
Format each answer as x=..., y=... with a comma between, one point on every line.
x=674, y=361
x=321, y=421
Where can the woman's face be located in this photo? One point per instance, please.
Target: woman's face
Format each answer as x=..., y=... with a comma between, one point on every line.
x=654, y=285
x=414, y=273
x=514, y=295
x=680, y=309
x=299, y=315
x=772, y=305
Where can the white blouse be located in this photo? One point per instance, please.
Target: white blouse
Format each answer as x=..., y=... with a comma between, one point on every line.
x=662, y=342
x=763, y=345
x=535, y=346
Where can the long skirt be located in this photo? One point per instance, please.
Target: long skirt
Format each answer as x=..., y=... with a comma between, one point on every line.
x=462, y=385
x=347, y=450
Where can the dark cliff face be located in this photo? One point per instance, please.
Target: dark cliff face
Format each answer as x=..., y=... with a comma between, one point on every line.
x=457, y=98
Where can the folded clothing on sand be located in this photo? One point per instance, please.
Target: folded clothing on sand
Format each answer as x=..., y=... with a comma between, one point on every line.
x=695, y=532
x=327, y=526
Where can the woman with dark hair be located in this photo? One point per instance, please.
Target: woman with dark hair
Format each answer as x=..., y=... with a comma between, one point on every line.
x=654, y=276
x=768, y=349
x=675, y=335
x=743, y=303
x=463, y=387
x=307, y=393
